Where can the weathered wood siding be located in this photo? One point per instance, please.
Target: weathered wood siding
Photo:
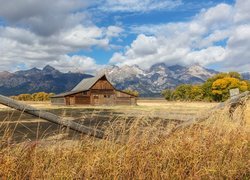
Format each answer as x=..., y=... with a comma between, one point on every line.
x=107, y=98
x=102, y=84
x=125, y=99
x=102, y=93
x=58, y=101
x=122, y=94
x=81, y=98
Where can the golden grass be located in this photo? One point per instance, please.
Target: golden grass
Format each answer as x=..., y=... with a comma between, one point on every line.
x=215, y=149
x=149, y=108
x=142, y=104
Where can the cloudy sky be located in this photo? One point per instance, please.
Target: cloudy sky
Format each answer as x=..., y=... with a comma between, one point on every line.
x=85, y=35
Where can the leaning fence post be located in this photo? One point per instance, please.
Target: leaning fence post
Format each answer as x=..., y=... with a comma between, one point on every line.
x=50, y=117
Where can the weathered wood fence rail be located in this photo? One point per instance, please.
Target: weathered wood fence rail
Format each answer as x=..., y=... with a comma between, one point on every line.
x=232, y=104
x=50, y=117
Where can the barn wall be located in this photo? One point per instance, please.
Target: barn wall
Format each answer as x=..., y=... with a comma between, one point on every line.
x=58, y=101
x=80, y=98
x=134, y=101
x=125, y=99
x=103, y=99
x=71, y=100
x=122, y=94
x=102, y=84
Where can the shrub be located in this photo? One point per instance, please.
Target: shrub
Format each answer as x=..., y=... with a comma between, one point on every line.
x=40, y=96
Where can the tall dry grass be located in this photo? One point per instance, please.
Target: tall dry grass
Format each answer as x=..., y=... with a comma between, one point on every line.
x=215, y=149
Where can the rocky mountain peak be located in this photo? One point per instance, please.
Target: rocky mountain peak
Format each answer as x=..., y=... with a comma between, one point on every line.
x=48, y=68
x=199, y=71
x=5, y=74
x=29, y=72
x=158, y=66
x=176, y=67
x=156, y=78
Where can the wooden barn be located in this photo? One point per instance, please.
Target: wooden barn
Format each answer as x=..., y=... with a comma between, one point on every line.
x=94, y=91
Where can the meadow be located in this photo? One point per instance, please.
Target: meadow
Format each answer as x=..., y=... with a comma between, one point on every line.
x=137, y=145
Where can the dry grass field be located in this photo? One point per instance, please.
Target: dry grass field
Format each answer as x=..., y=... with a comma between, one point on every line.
x=217, y=148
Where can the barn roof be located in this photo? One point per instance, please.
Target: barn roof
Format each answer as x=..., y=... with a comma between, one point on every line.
x=86, y=84
x=65, y=94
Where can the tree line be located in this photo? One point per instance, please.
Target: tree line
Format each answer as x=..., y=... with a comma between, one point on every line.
x=43, y=96
x=131, y=91
x=39, y=96
x=215, y=88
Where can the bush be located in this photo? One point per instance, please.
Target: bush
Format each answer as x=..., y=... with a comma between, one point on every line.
x=215, y=88
x=40, y=96
x=130, y=91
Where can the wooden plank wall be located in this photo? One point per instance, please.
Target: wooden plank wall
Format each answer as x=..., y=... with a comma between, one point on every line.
x=102, y=84
x=82, y=100
x=122, y=94
x=125, y=99
x=58, y=101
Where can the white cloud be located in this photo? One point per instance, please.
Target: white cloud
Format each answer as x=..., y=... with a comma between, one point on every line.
x=242, y=14
x=216, y=17
x=76, y=64
x=218, y=35
x=144, y=45
x=237, y=50
x=206, y=55
x=44, y=17
x=21, y=46
x=83, y=37
x=37, y=33
x=138, y=5
x=148, y=50
x=114, y=31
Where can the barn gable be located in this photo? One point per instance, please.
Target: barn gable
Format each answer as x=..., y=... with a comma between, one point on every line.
x=87, y=84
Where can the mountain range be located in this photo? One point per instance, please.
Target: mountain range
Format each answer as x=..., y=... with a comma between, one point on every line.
x=158, y=77
x=35, y=80
x=149, y=82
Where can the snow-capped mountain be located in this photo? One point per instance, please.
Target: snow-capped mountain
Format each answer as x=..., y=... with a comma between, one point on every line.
x=149, y=82
x=33, y=80
x=152, y=81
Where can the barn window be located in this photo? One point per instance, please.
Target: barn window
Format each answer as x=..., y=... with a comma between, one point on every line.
x=106, y=96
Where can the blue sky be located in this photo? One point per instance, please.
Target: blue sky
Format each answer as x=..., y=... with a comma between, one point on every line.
x=84, y=35
x=183, y=13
